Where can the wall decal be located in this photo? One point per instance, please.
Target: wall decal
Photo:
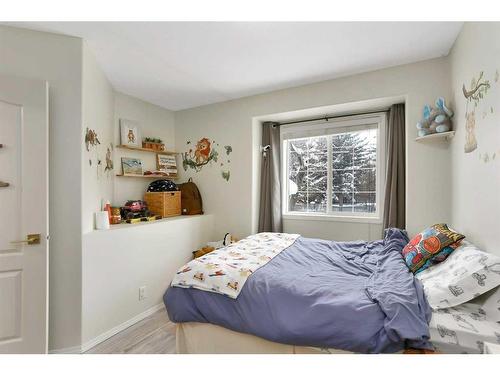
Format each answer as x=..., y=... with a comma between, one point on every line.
x=205, y=153
x=486, y=158
x=478, y=90
x=92, y=144
x=91, y=139
x=470, y=130
x=202, y=153
x=109, y=159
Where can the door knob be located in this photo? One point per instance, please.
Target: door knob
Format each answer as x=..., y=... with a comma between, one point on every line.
x=31, y=239
x=3, y=184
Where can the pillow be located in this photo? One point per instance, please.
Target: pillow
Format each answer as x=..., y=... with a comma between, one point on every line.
x=439, y=257
x=429, y=244
x=490, y=303
x=466, y=274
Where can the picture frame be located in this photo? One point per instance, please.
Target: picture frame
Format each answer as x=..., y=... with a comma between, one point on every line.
x=132, y=167
x=130, y=134
x=166, y=163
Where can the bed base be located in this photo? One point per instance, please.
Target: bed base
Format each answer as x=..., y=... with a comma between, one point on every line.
x=205, y=338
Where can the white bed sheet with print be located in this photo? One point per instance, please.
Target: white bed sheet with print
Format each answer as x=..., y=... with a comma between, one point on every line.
x=226, y=270
x=467, y=327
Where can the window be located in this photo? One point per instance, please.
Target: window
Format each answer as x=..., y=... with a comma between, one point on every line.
x=334, y=168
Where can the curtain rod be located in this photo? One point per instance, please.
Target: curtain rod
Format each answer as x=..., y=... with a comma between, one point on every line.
x=326, y=118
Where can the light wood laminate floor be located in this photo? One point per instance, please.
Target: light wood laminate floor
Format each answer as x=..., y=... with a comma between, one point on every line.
x=152, y=335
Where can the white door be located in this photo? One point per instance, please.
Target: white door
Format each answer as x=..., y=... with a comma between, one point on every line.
x=23, y=212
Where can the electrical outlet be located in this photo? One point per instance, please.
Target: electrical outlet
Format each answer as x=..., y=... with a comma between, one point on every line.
x=142, y=293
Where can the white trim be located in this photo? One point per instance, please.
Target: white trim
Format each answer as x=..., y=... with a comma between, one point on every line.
x=333, y=126
x=327, y=217
x=113, y=331
x=71, y=350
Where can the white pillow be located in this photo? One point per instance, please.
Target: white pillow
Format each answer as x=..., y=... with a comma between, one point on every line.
x=490, y=303
x=466, y=274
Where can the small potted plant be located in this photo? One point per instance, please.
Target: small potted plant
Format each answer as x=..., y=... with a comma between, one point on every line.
x=153, y=144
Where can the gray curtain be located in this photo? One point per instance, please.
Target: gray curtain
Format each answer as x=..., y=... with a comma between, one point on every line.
x=395, y=189
x=270, y=180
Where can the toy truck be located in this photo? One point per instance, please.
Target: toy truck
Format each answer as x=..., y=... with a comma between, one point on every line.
x=134, y=209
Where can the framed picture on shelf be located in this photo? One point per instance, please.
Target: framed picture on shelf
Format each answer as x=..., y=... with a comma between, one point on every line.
x=166, y=163
x=132, y=167
x=130, y=133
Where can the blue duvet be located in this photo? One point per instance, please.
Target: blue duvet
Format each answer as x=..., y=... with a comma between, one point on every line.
x=357, y=296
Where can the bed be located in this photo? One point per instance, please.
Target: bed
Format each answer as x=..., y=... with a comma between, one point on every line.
x=462, y=330
x=351, y=296
x=282, y=293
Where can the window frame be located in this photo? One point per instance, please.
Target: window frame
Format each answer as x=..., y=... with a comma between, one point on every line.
x=327, y=128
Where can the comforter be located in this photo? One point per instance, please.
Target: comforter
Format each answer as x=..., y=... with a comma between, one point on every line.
x=357, y=296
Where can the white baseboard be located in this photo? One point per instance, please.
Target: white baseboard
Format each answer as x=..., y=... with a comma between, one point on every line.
x=71, y=350
x=113, y=331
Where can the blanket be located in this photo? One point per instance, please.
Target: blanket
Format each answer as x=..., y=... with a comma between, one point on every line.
x=226, y=270
x=357, y=296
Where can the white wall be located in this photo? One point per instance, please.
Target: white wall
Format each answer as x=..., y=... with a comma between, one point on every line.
x=230, y=122
x=102, y=109
x=334, y=230
x=154, y=121
x=116, y=263
x=98, y=115
x=475, y=182
x=79, y=97
x=58, y=60
x=119, y=261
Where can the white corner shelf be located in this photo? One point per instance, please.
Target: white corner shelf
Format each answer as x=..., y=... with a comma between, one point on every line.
x=446, y=136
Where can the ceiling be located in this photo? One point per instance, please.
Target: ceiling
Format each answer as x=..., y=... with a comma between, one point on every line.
x=180, y=65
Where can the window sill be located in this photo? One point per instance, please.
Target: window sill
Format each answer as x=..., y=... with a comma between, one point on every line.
x=346, y=219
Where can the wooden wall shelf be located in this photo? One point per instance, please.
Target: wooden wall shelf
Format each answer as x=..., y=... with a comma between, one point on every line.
x=146, y=150
x=147, y=176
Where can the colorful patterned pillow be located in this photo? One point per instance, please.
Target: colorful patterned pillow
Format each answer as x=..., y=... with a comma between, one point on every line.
x=433, y=245
x=439, y=257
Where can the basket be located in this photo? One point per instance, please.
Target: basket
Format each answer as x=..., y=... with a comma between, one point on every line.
x=166, y=203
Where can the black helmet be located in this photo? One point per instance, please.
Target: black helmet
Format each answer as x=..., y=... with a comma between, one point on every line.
x=162, y=185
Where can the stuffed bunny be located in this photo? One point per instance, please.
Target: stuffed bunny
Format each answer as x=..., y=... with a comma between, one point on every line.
x=436, y=120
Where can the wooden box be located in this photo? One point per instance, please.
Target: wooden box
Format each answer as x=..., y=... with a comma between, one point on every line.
x=166, y=203
x=153, y=146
